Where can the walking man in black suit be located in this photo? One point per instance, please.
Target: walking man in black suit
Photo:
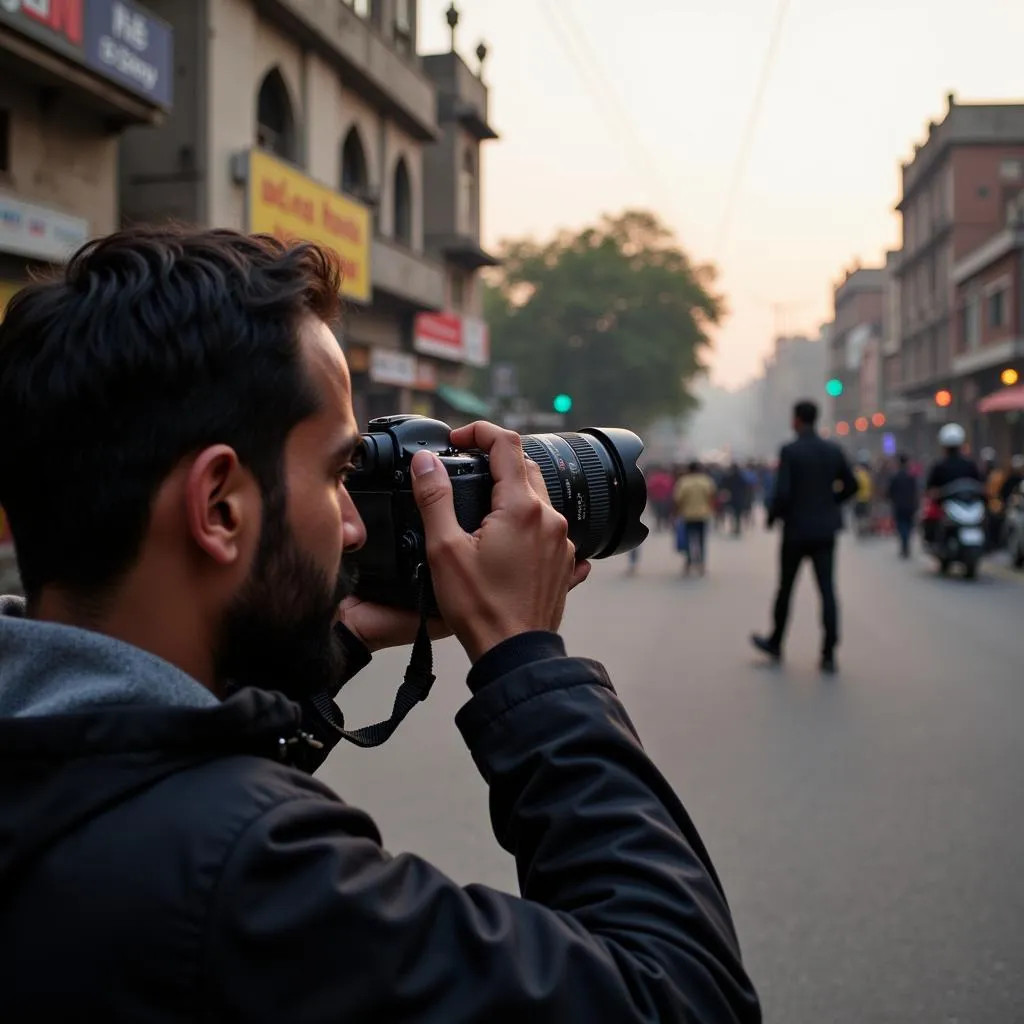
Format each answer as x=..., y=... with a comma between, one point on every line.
x=813, y=482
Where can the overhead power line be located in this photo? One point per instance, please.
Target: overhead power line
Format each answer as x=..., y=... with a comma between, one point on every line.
x=596, y=81
x=750, y=129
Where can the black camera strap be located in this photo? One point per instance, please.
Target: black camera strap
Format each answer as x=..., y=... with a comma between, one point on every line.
x=419, y=678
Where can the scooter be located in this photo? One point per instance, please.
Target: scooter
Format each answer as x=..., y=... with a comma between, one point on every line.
x=955, y=529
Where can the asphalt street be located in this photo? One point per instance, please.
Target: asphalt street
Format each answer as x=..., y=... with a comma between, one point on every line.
x=869, y=829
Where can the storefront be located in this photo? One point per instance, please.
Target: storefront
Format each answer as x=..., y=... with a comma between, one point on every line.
x=459, y=344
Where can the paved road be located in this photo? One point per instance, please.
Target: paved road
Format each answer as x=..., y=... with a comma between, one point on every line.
x=869, y=829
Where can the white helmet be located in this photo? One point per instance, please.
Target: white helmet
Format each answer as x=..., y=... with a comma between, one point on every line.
x=987, y=455
x=952, y=435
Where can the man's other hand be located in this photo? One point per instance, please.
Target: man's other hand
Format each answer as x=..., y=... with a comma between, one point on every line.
x=378, y=626
x=513, y=574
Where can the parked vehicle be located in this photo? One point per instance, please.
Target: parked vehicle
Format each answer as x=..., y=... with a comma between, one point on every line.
x=1015, y=527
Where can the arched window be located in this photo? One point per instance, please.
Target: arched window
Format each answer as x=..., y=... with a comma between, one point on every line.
x=403, y=204
x=275, y=120
x=354, y=176
x=467, y=195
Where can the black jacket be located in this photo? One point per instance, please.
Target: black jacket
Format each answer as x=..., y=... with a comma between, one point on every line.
x=813, y=481
x=951, y=468
x=903, y=493
x=171, y=864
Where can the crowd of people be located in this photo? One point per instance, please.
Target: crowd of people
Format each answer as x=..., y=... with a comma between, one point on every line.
x=697, y=497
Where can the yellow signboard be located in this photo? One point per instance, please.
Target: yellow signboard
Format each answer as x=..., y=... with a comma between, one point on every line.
x=285, y=203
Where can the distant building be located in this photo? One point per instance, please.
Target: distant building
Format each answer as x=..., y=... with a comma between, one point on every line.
x=855, y=357
x=957, y=191
x=795, y=370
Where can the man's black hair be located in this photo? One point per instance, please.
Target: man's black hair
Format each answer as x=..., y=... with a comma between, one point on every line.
x=151, y=344
x=805, y=413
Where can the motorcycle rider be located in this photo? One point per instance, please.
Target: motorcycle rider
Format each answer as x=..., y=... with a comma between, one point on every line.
x=953, y=466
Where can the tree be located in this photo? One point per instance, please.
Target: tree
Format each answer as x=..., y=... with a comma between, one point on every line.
x=615, y=316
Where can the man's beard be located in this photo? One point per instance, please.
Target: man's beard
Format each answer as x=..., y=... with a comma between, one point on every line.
x=278, y=632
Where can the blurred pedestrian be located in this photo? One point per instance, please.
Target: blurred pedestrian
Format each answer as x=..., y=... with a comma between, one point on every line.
x=903, y=500
x=695, y=496
x=808, y=502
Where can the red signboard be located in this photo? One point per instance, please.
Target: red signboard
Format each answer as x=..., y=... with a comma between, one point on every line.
x=61, y=20
x=448, y=336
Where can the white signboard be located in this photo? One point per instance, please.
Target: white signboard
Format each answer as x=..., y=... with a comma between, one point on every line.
x=39, y=232
x=475, y=341
x=390, y=367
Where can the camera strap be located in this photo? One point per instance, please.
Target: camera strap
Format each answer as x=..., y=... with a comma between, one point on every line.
x=419, y=678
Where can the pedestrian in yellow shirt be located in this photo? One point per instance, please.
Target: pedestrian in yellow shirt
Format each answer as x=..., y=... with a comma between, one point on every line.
x=694, y=499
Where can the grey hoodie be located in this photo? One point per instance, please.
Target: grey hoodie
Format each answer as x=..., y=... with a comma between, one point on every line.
x=49, y=669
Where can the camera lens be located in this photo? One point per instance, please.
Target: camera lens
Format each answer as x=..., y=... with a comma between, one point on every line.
x=592, y=478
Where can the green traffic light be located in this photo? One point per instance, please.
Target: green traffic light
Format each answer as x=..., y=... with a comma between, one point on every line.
x=562, y=403
x=834, y=388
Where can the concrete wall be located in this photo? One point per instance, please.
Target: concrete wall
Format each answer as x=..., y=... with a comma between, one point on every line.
x=163, y=170
x=61, y=154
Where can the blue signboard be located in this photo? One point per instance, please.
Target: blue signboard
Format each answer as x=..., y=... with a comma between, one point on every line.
x=130, y=46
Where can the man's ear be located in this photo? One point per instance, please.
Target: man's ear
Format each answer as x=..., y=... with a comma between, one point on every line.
x=221, y=503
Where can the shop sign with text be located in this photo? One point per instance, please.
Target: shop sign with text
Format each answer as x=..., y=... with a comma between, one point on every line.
x=39, y=232
x=127, y=44
x=286, y=203
x=401, y=370
x=57, y=24
x=462, y=339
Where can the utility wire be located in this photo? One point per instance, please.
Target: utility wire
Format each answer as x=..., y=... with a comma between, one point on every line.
x=596, y=81
x=750, y=130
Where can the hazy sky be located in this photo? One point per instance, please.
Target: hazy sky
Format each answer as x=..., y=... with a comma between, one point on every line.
x=652, y=113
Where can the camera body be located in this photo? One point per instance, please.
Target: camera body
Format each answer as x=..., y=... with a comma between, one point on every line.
x=387, y=566
x=591, y=478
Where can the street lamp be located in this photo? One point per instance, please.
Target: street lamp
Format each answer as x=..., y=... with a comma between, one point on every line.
x=943, y=399
x=862, y=423
x=1009, y=376
x=842, y=428
x=878, y=420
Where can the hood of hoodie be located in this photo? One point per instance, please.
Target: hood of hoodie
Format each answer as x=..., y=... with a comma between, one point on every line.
x=87, y=721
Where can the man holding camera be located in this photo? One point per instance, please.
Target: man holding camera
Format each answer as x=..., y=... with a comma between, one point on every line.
x=179, y=428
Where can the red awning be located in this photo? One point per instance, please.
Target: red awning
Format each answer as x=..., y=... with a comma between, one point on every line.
x=1004, y=400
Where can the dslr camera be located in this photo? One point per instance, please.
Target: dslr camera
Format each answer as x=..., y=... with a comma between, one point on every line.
x=592, y=479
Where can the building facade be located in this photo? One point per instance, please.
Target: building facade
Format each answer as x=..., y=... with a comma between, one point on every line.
x=74, y=74
x=795, y=370
x=988, y=337
x=315, y=120
x=855, y=357
x=956, y=192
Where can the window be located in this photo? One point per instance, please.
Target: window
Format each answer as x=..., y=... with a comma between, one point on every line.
x=997, y=308
x=5, y=142
x=467, y=196
x=275, y=122
x=972, y=323
x=354, y=176
x=403, y=25
x=403, y=204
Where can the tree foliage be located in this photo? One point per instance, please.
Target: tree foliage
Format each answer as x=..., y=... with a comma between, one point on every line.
x=615, y=316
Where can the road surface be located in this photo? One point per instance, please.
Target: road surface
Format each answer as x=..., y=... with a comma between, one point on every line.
x=869, y=829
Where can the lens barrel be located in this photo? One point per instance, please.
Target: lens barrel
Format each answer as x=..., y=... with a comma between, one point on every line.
x=592, y=478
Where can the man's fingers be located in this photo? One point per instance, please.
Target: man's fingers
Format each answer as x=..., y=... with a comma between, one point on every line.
x=580, y=573
x=536, y=478
x=432, y=489
x=504, y=448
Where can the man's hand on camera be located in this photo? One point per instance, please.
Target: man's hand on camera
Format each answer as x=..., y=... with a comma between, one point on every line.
x=512, y=575
x=378, y=626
